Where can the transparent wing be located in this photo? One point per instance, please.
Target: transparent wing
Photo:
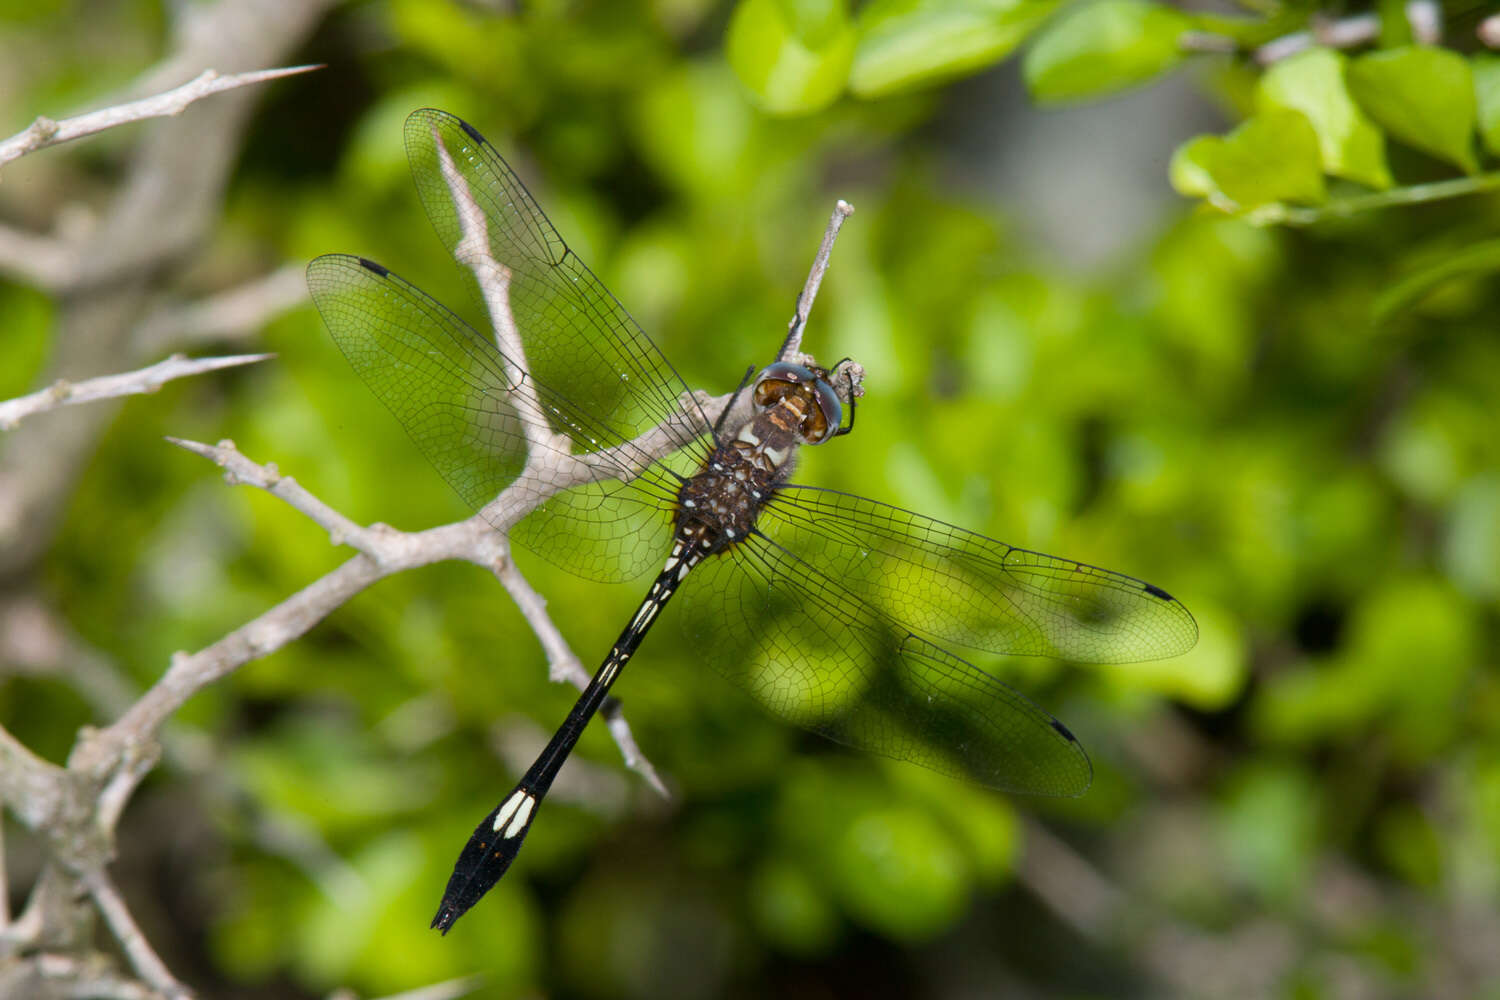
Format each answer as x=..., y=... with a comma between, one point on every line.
x=814, y=653
x=578, y=339
x=455, y=394
x=956, y=587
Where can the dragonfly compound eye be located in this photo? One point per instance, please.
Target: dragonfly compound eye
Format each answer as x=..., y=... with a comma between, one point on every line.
x=830, y=415
x=783, y=379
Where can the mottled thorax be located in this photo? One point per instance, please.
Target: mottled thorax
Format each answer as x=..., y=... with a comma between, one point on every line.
x=726, y=496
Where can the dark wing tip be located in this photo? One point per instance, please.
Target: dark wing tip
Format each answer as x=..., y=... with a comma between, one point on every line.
x=370, y=265
x=1156, y=591
x=1078, y=784
x=470, y=130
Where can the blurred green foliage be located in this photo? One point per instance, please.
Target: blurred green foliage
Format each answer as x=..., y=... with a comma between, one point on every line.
x=1295, y=431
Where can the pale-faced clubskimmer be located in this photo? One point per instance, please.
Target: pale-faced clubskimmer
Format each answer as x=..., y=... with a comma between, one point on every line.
x=834, y=611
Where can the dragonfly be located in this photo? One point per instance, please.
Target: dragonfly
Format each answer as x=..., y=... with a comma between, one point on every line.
x=838, y=613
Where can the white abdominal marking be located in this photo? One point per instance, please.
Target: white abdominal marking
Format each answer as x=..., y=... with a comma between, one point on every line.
x=612, y=667
x=523, y=818
x=648, y=611
x=518, y=805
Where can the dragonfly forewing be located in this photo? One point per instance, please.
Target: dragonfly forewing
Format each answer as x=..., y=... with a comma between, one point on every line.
x=455, y=394
x=579, y=340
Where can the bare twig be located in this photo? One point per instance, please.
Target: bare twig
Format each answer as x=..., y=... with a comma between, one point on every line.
x=793, y=344
x=473, y=251
x=239, y=470
x=143, y=380
x=79, y=807
x=383, y=551
x=1426, y=20
x=619, y=729
x=169, y=195
x=1180, y=957
x=1342, y=34
x=49, y=974
x=148, y=965
x=4, y=882
x=1424, y=17
x=30, y=786
x=563, y=664
x=45, y=132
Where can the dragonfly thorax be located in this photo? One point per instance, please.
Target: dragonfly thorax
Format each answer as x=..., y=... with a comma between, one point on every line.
x=726, y=495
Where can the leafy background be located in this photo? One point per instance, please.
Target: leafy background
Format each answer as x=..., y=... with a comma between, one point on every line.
x=1293, y=428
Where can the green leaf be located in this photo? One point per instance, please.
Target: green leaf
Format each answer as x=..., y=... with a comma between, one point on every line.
x=904, y=44
x=794, y=57
x=1424, y=97
x=1103, y=48
x=1190, y=170
x=1486, y=70
x=1271, y=158
x=1312, y=82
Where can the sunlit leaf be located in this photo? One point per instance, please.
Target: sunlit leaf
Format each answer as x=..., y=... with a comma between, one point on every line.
x=792, y=56
x=1271, y=158
x=1103, y=48
x=1312, y=82
x=1190, y=170
x=1424, y=97
x=904, y=44
x=1486, y=71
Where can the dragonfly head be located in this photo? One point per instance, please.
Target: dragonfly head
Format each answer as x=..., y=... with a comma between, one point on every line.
x=783, y=379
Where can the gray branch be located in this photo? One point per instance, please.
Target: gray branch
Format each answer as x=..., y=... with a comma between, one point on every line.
x=46, y=132
x=168, y=200
x=143, y=380
x=383, y=552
